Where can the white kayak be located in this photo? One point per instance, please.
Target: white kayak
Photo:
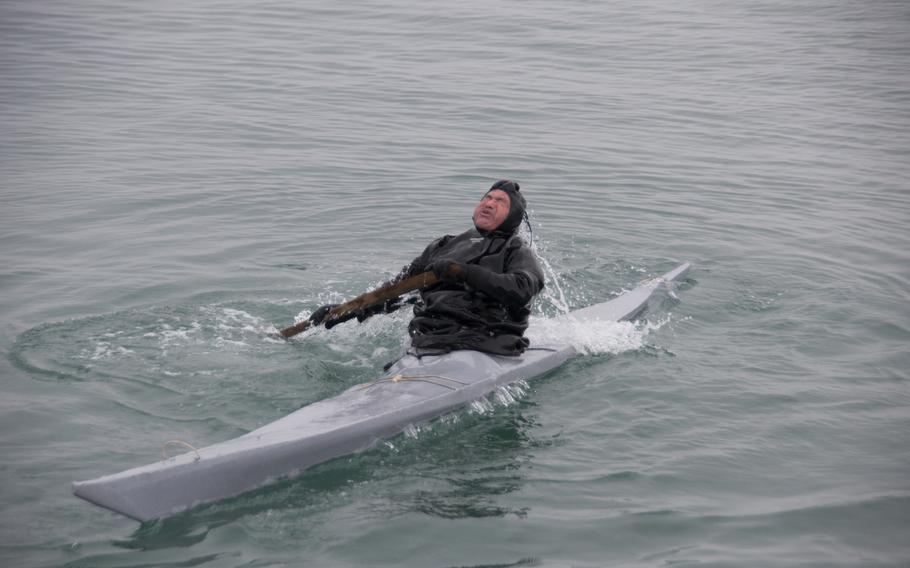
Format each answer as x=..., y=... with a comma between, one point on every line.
x=412, y=391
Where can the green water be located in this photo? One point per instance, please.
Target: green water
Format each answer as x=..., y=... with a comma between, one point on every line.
x=177, y=180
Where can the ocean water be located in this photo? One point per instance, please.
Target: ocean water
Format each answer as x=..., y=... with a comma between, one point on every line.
x=178, y=179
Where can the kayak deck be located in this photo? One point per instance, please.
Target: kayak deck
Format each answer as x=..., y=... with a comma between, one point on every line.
x=414, y=390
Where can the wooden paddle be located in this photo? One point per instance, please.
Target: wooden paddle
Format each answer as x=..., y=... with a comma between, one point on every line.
x=369, y=299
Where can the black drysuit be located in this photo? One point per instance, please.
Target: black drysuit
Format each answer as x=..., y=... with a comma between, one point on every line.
x=487, y=311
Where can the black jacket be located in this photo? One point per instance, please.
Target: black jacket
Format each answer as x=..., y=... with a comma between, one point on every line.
x=489, y=310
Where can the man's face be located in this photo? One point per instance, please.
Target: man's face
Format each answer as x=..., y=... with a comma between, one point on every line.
x=492, y=210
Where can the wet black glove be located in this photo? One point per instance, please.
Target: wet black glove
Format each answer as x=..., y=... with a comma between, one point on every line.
x=473, y=276
x=449, y=270
x=319, y=315
x=323, y=317
x=386, y=307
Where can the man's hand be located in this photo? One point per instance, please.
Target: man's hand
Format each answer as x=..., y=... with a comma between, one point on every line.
x=449, y=270
x=318, y=317
x=323, y=317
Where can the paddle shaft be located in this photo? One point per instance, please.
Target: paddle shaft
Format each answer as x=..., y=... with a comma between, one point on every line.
x=379, y=295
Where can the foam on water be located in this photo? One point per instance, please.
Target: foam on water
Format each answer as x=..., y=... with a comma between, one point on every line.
x=592, y=338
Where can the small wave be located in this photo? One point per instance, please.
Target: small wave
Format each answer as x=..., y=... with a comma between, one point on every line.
x=143, y=344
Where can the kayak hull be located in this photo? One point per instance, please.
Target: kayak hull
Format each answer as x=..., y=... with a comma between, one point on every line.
x=414, y=390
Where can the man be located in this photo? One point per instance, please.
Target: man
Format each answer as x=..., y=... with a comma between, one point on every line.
x=488, y=278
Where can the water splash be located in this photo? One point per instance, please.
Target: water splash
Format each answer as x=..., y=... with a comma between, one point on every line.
x=510, y=394
x=481, y=406
x=502, y=397
x=592, y=338
x=554, y=293
x=145, y=344
x=218, y=325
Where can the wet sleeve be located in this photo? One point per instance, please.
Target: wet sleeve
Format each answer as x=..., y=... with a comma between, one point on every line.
x=516, y=287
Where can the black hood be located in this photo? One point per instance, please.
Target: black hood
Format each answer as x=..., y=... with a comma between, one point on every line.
x=517, y=207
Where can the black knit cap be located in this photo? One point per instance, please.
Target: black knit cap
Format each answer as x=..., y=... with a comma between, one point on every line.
x=517, y=205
